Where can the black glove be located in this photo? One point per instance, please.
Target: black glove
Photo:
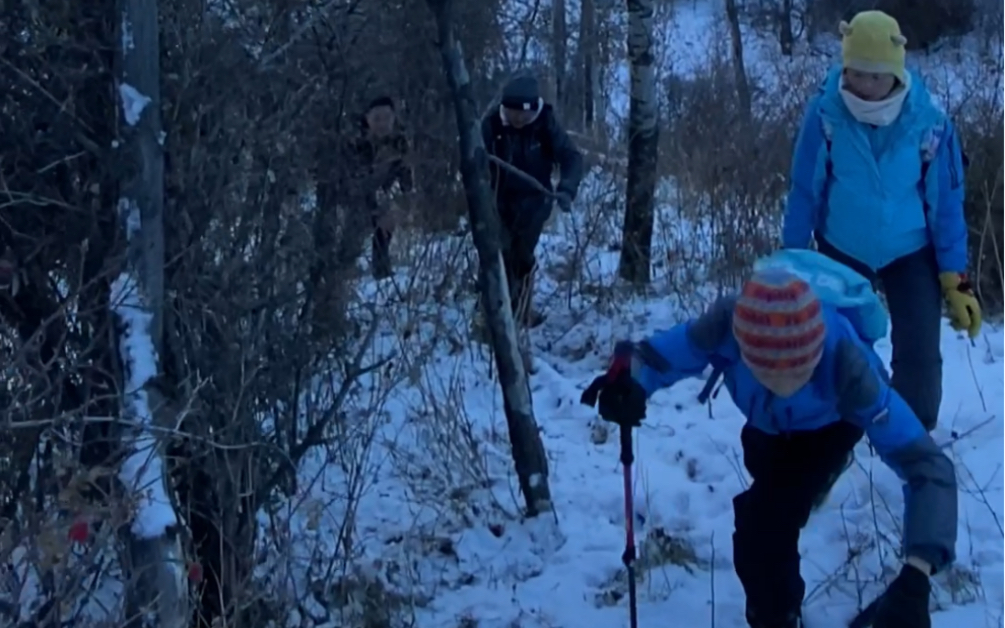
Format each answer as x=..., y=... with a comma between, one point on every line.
x=564, y=200
x=905, y=602
x=622, y=400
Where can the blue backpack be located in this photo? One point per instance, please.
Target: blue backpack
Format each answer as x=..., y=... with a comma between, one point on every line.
x=834, y=283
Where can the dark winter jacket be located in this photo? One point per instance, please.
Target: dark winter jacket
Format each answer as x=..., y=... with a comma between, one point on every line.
x=850, y=384
x=535, y=149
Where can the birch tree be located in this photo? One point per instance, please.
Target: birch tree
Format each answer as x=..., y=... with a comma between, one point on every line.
x=156, y=592
x=528, y=451
x=643, y=140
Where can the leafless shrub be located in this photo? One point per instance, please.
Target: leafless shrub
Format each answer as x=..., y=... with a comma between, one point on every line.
x=727, y=192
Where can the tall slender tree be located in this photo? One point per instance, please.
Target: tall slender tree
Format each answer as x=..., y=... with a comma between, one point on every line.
x=643, y=141
x=156, y=593
x=588, y=55
x=528, y=451
x=739, y=67
x=560, y=52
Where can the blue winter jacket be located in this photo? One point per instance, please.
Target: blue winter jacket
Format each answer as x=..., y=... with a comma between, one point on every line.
x=849, y=384
x=867, y=200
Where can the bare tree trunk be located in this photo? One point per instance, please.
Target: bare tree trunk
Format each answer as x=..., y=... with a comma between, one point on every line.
x=587, y=47
x=156, y=588
x=559, y=44
x=786, y=38
x=739, y=68
x=643, y=141
x=528, y=451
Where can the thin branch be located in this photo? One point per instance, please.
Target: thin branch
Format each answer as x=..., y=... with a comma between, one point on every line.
x=505, y=165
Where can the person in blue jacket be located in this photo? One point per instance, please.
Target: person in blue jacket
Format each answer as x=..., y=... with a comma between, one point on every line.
x=809, y=388
x=877, y=182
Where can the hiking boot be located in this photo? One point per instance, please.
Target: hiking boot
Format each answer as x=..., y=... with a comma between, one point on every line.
x=825, y=492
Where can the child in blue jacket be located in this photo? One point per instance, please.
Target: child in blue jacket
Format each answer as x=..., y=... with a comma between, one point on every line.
x=877, y=183
x=809, y=388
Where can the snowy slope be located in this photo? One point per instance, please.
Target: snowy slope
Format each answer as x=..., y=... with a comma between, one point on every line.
x=438, y=524
x=438, y=534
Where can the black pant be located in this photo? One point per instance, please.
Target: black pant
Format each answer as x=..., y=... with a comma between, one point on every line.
x=522, y=222
x=914, y=297
x=789, y=473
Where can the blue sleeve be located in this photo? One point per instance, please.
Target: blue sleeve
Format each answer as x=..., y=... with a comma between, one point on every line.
x=667, y=357
x=944, y=190
x=930, y=489
x=685, y=350
x=889, y=423
x=802, y=208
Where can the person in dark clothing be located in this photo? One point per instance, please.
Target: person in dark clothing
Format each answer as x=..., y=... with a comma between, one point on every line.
x=810, y=387
x=525, y=133
x=367, y=178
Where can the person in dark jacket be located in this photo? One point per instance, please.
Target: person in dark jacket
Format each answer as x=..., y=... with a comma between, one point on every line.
x=877, y=183
x=525, y=133
x=371, y=176
x=809, y=387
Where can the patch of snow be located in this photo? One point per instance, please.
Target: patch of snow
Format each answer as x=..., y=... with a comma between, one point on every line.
x=142, y=470
x=129, y=213
x=127, y=33
x=133, y=103
x=440, y=523
x=440, y=520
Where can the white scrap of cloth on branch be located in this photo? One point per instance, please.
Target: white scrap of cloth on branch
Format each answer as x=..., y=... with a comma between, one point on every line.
x=142, y=470
x=133, y=103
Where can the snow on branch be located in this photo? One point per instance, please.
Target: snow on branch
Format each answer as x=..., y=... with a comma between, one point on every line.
x=133, y=103
x=143, y=470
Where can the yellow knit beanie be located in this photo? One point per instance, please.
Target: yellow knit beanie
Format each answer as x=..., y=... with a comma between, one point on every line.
x=872, y=42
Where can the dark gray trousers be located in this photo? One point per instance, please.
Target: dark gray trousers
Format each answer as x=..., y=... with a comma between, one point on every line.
x=914, y=296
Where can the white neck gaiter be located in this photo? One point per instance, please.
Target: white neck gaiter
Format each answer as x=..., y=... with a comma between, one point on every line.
x=879, y=112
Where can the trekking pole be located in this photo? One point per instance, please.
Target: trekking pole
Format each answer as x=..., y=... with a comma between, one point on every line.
x=621, y=363
x=628, y=558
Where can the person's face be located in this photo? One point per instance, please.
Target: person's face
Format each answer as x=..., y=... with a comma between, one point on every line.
x=380, y=120
x=519, y=118
x=869, y=85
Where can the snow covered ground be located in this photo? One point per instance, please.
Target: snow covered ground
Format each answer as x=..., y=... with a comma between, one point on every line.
x=435, y=503
x=438, y=524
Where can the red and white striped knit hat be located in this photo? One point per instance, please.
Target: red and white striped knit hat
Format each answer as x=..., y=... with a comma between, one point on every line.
x=779, y=326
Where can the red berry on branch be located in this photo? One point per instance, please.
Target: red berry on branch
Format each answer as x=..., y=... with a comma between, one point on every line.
x=79, y=531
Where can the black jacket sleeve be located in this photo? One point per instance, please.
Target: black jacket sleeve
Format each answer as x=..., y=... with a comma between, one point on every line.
x=567, y=156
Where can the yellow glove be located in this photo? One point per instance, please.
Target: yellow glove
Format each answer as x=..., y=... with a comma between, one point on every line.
x=964, y=310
